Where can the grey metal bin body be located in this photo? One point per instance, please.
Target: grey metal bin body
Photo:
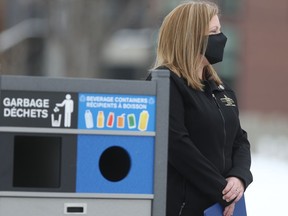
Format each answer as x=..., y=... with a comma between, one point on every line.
x=30, y=121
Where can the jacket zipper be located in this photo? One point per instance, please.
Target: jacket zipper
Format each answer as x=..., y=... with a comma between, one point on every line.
x=181, y=209
x=224, y=129
x=184, y=200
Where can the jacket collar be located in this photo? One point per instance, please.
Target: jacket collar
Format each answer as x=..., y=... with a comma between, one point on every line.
x=212, y=86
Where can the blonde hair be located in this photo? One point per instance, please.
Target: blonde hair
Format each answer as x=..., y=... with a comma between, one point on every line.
x=183, y=38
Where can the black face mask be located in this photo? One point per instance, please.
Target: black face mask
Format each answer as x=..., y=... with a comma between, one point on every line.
x=215, y=48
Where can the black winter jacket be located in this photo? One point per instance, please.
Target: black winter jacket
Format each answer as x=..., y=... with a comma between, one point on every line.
x=206, y=145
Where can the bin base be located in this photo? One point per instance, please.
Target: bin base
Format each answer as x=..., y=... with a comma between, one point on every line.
x=47, y=204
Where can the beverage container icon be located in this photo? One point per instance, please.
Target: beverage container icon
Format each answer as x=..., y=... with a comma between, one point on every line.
x=121, y=121
x=100, y=119
x=89, y=119
x=143, y=121
x=131, y=121
x=110, y=120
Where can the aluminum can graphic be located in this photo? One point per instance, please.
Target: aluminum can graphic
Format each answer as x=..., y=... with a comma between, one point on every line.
x=131, y=121
x=89, y=119
x=121, y=121
x=110, y=120
x=143, y=121
x=100, y=119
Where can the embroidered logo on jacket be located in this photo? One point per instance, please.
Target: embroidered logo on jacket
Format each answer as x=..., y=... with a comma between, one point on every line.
x=227, y=101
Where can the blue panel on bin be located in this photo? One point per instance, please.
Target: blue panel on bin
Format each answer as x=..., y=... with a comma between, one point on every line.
x=140, y=177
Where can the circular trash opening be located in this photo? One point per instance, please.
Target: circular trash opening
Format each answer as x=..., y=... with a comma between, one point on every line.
x=114, y=163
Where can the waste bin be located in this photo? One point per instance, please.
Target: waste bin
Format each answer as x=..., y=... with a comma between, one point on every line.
x=83, y=146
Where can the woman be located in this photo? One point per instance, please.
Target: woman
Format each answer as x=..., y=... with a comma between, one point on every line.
x=209, y=154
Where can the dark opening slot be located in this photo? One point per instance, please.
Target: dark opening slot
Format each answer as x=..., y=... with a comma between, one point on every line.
x=75, y=209
x=115, y=163
x=37, y=161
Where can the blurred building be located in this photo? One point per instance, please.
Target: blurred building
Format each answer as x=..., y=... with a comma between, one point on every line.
x=264, y=31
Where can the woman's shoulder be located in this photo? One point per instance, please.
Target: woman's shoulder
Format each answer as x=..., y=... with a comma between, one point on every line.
x=176, y=82
x=227, y=87
x=174, y=77
x=149, y=77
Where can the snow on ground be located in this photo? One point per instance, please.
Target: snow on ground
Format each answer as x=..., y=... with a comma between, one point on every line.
x=267, y=195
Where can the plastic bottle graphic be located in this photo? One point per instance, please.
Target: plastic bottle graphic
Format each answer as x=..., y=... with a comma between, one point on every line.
x=131, y=121
x=89, y=119
x=100, y=119
x=110, y=120
x=143, y=120
x=121, y=121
